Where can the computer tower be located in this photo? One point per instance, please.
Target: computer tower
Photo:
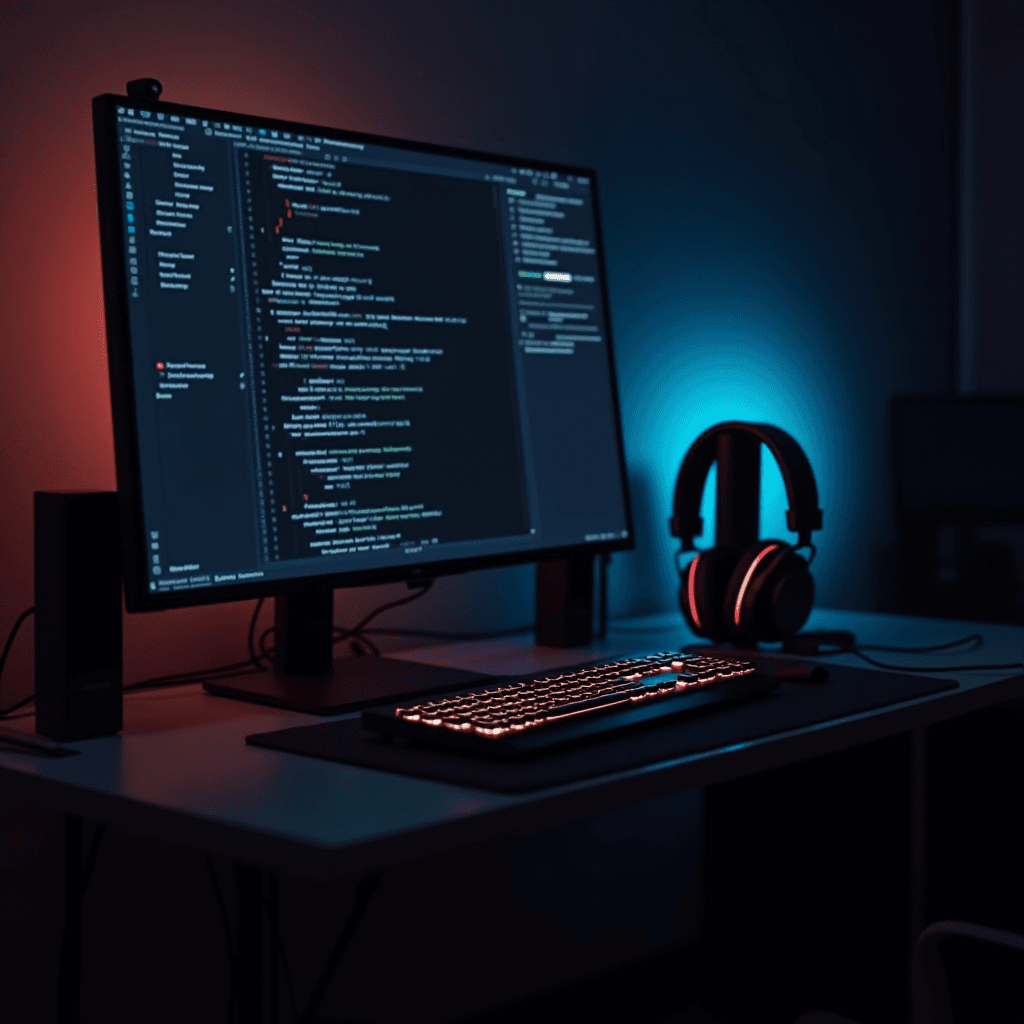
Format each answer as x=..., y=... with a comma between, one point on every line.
x=78, y=648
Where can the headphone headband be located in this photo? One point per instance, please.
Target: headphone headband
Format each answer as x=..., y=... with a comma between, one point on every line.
x=803, y=515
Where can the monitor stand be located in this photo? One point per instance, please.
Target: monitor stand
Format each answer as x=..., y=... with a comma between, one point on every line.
x=307, y=677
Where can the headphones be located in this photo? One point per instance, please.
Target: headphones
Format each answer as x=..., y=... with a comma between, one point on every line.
x=744, y=589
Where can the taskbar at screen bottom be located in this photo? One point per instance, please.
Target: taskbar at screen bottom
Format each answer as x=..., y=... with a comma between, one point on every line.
x=423, y=561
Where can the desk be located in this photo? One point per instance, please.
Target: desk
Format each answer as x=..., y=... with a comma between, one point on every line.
x=182, y=772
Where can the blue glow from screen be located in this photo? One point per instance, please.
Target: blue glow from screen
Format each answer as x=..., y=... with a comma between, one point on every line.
x=717, y=359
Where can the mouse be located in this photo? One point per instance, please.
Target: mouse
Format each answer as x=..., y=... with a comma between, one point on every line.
x=803, y=672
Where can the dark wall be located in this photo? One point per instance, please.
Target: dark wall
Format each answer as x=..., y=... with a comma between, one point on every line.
x=777, y=213
x=993, y=280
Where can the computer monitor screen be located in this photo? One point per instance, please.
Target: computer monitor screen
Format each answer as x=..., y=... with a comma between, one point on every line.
x=346, y=359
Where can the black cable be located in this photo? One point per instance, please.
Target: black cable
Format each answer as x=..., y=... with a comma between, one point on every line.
x=936, y=668
x=226, y=923
x=69, y=962
x=275, y=924
x=813, y=555
x=3, y=658
x=94, y=852
x=265, y=651
x=435, y=634
x=14, y=707
x=602, y=608
x=420, y=588
x=971, y=642
x=256, y=657
x=358, y=643
x=358, y=632
x=364, y=893
x=239, y=668
x=974, y=639
x=612, y=628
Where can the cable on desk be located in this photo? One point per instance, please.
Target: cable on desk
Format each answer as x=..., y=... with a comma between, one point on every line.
x=612, y=628
x=437, y=634
x=936, y=668
x=971, y=642
x=3, y=659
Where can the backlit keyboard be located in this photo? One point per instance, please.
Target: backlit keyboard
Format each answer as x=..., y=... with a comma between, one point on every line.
x=535, y=713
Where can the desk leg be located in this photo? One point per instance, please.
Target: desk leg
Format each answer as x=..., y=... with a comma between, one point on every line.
x=69, y=970
x=274, y=923
x=918, y=830
x=249, y=957
x=364, y=893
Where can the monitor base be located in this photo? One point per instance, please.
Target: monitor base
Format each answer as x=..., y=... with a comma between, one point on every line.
x=355, y=683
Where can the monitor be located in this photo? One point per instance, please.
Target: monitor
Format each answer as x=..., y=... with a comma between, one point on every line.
x=338, y=359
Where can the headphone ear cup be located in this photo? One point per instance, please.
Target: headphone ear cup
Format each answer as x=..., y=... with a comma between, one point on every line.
x=770, y=593
x=792, y=596
x=702, y=590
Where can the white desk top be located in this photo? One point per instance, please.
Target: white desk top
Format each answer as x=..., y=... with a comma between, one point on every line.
x=181, y=770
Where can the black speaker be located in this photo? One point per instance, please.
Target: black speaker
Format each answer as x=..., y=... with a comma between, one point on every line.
x=565, y=601
x=78, y=614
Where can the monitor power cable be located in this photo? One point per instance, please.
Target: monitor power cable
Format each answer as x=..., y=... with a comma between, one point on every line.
x=261, y=654
x=4, y=712
x=357, y=632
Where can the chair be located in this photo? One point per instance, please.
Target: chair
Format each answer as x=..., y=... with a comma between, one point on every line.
x=928, y=989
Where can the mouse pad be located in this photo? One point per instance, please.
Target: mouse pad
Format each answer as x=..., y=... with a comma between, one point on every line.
x=793, y=705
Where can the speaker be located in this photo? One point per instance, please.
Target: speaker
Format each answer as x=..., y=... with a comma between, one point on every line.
x=565, y=601
x=78, y=614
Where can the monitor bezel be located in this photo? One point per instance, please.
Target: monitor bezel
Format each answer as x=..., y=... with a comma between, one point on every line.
x=138, y=596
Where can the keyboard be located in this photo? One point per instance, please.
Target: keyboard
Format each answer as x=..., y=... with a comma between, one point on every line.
x=531, y=715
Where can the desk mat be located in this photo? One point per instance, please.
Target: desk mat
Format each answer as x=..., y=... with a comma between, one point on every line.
x=848, y=691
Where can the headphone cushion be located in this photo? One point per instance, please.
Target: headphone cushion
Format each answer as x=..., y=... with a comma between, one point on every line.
x=770, y=593
x=702, y=590
x=792, y=598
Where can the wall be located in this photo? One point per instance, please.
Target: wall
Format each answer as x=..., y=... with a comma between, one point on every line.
x=776, y=207
x=992, y=260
